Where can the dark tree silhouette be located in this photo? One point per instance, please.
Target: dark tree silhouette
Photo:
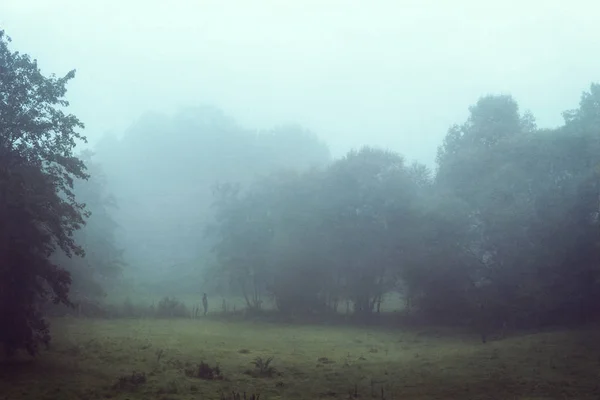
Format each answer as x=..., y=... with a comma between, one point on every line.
x=38, y=209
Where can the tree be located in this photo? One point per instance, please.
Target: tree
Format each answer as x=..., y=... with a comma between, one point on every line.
x=162, y=170
x=242, y=232
x=371, y=197
x=304, y=278
x=103, y=260
x=532, y=195
x=505, y=235
x=315, y=238
x=461, y=159
x=38, y=209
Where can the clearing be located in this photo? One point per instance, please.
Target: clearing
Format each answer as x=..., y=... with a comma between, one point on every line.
x=88, y=358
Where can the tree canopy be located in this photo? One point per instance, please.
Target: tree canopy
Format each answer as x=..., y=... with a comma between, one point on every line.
x=504, y=234
x=38, y=209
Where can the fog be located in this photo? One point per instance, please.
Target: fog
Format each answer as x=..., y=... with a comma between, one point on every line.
x=395, y=74
x=394, y=198
x=389, y=74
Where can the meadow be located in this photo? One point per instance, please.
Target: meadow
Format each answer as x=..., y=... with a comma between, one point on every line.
x=211, y=358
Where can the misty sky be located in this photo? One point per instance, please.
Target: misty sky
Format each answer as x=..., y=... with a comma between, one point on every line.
x=386, y=73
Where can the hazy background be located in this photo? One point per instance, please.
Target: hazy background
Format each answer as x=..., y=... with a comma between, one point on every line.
x=388, y=73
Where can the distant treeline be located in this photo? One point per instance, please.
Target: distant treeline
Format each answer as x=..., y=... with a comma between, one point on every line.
x=504, y=234
x=161, y=172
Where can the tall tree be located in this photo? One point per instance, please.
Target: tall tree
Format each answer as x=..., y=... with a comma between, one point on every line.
x=38, y=209
x=531, y=195
x=243, y=234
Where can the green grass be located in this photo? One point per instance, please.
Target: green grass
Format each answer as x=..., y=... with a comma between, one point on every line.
x=312, y=362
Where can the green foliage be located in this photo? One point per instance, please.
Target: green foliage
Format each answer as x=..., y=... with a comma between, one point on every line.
x=38, y=210
x=348, y=215
x=505, y=235
x=532, y=196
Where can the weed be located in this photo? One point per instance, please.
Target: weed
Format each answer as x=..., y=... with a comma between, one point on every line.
x=264, y=366
x=171, y=307
x=204, y=371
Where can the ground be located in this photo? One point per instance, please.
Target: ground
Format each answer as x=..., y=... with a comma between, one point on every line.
x=88, y=357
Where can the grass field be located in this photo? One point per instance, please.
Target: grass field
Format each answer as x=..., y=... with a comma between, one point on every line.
x=88, y=357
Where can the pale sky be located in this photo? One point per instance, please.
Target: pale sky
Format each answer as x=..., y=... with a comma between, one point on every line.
x=387, y=73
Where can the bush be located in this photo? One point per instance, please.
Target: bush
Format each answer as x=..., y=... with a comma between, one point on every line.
x=171, y=307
